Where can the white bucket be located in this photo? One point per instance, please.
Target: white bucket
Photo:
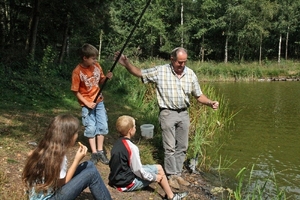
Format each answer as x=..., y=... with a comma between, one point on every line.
x=147, y=130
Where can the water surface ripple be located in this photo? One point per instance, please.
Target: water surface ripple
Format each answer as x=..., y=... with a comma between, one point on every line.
x=266, y=131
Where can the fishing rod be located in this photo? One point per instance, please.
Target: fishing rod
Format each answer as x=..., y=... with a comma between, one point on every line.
x=126, y=42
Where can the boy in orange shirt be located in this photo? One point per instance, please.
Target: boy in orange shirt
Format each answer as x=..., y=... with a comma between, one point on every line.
x=86, y=78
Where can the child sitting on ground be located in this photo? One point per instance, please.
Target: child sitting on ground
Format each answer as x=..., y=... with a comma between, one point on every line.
x=126, y=170
x=45, y=174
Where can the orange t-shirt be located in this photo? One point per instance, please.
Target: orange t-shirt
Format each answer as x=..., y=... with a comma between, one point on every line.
x=85, y=80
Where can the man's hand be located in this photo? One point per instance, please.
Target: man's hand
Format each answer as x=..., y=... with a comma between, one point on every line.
x=123, y=59
x=215, y=105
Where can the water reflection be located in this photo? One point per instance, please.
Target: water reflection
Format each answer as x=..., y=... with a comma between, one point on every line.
x=266, y=131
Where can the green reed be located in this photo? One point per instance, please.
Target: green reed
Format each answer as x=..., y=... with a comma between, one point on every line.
x=208, y=129
x=257, y=190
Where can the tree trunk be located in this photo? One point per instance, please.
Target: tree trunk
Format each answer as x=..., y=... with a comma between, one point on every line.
x=287, y=44
x=181, y=14
x=64, y=42
x=3, y=21
x=100, y=45
x=202, y=49
x=279, y=48
x=33, y=24
x=260, y=49
x=12, y=14
x=226, y=49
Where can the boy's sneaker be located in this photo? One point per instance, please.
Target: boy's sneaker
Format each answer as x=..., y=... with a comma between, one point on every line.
x=94, y=158
x=180, y=195
x=102, y=157
x=177, y=196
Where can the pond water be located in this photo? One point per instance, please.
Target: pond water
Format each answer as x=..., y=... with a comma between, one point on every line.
x=266, y=132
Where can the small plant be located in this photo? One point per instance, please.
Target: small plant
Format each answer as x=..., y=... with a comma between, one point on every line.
x=258, y=189
x=47, y=62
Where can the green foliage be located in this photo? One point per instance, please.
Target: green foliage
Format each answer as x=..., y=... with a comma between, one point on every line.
x=35, y=82
x=251, y=28
x=274, y=73
x=247, y=190
x=137, y=94
x=207, y=128
x=45, y=67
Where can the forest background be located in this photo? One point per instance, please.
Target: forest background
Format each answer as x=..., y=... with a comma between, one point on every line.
x=211, y=30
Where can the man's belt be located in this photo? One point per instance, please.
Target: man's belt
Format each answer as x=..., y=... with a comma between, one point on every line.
x=177, y=110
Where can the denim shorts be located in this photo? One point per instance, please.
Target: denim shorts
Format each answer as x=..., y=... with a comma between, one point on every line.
x=140, y=183
x=95, y=121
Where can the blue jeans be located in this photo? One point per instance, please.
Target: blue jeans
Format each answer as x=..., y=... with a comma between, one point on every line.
x=86, y=175
x=95, y=121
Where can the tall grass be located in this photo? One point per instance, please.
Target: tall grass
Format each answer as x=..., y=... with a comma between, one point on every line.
x=257, y=190
x=208, y=129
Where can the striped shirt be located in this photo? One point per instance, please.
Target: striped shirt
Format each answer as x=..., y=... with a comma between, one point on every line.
x=172, y=92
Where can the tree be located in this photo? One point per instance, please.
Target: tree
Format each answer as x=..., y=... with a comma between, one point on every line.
x=202, y=19
x=260, y=22
x=287, y=22
x=33, y=25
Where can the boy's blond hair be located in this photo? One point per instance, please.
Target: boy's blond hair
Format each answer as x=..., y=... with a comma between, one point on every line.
x=124, y=124
x=88, y=50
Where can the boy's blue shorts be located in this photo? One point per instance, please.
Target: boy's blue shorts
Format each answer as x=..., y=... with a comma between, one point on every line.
x=95, y=121
x=140, y=183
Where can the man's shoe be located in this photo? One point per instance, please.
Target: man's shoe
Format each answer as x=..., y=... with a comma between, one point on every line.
x=94, y=158
x=102, y=157
x=181, y=181
x=173, y=182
